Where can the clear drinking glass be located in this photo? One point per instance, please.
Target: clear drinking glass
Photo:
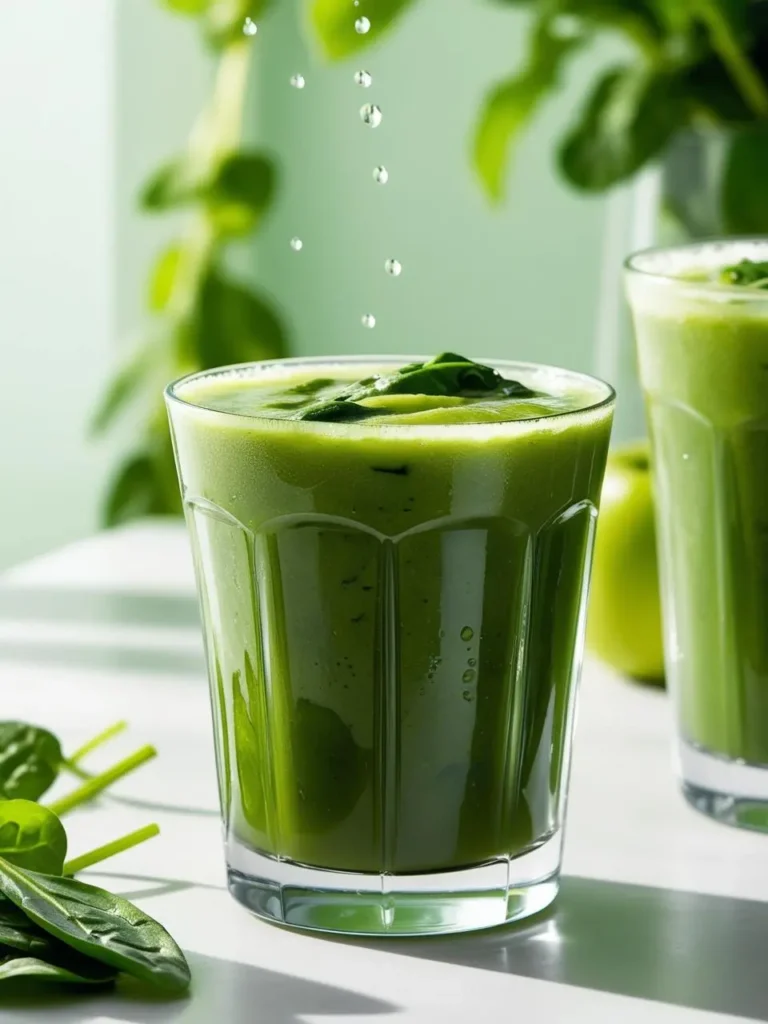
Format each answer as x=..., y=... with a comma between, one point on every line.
x=394, y=619
x=703, y=350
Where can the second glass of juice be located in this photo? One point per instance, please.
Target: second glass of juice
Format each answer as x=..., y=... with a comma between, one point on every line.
x=702, y=339
x=394, y=618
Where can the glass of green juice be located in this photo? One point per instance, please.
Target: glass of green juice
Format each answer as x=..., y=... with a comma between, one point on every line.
x=393, y=561
x=701, y=323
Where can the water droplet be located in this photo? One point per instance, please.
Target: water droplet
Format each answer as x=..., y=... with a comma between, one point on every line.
x=362, y=25
x=250, y=28
x=394, y=267
x=467, y=633
x=371, y=115
x=369, y=320
x=381, y=175
x=422, y=692
x=686, y=457
x=468, y=677
x=363, y=78
x=472, y=661
x=441, y=634
x=468, y=696
x=296, y=244
x=298, y=81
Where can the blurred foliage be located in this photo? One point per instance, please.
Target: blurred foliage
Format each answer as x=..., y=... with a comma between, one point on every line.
x=201, y=316
x=691, y=64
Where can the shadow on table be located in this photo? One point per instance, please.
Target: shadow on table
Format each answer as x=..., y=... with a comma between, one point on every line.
x=688, y=949
x=223, y=993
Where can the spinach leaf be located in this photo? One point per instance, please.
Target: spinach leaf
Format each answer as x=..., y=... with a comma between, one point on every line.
x=98, y=924
x=512, y=103
x=631, y=115
x=447, y=374
x=746, y=272
x=32, y=837
x=30, y=759
x=80, y=971
x=19, y=933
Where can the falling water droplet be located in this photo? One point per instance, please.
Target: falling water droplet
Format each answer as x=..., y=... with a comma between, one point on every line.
x=363, y=78
x=394, y=267
x=362, y=25
x=467, y=633
x=298, y=81
x=369, y=320
x=371, y=115
x=468, y=677
x=472, y=662
x=381, y=175
x=250, y=28
x=467, y=695
x=296, y=244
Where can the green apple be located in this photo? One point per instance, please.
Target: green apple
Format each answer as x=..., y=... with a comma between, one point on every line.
x=624, y=622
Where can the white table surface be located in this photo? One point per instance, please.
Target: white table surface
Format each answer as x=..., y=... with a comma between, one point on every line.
x=663, y=914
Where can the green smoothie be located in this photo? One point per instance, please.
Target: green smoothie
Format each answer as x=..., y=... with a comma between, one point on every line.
x=393, y=579
x=702, y=335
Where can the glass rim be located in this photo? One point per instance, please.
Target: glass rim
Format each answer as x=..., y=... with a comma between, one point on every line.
x=172, y=395
x=633, y=267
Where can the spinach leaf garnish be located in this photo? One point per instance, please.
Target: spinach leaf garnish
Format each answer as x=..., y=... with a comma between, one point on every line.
x=448, y=374
x=750, y=273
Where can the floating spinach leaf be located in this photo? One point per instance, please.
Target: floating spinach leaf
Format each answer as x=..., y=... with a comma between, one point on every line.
x=32, y=837
x=30, y=759
x=79, y=971
x=447, y=374
x=98, y=924
x=331, y=770
x=746, y=272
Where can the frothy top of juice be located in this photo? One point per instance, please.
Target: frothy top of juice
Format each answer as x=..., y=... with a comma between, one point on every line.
x=727, y=278
x=293, y=390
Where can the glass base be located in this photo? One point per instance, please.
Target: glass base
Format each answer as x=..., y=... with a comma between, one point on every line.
x=728, y=790
x=486, y=896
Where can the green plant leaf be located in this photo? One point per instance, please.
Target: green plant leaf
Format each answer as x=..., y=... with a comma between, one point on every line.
x=510, y=105
x=174, y=184
x=225, y=18
x=133, y=492
x=334, y=23
x=190, y=7
x=629, y=118
x=126, y=384
x=32, y=837
x=240, y=192
x=744, y=192
x=80, y=971
x=30, y=759
x=163, y=278
x=234, y=324
x=98, y=924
